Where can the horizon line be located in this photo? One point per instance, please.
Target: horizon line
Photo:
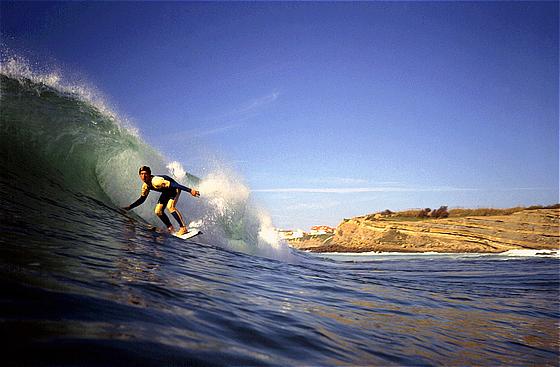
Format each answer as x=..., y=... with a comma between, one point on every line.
x=386, y=189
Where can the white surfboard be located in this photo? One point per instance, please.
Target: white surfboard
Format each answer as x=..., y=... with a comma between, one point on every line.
x=190, y=234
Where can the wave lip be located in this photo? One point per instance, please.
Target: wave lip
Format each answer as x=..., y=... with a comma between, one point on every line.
x=17, y=68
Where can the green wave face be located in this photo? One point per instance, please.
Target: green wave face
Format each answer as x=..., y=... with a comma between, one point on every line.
x=60, y=136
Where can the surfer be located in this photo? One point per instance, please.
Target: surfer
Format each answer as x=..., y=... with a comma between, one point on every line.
x=170, y=191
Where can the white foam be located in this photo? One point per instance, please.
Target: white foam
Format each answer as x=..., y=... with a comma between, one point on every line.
x=374, y=253
x=227, y=215
x=176, y=170
x=531, y=253
x=362, y=256
x=223, y=192
x=267, y=231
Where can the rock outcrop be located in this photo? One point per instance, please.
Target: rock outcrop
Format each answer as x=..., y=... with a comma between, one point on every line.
x=527, y=229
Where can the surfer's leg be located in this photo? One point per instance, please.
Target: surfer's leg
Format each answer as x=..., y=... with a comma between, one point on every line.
x=163, y=199
x=171, y=206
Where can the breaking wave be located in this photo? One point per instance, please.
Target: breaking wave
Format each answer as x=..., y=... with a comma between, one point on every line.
x=60, y=139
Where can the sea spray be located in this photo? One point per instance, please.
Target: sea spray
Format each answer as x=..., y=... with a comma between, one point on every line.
x=227, y=214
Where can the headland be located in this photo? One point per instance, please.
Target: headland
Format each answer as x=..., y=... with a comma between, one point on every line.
x=493, y=232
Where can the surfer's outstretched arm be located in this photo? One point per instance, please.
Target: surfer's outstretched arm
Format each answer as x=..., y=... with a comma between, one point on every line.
x=175, y=185
x=138, y=202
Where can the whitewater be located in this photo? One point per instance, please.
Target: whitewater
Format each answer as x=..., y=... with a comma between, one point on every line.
x=84, y=283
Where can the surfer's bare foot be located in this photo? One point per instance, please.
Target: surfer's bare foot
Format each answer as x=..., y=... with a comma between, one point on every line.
x=171, y=229
x=182, y=231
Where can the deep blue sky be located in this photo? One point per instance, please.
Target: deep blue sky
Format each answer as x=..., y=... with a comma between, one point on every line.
x=326, y=110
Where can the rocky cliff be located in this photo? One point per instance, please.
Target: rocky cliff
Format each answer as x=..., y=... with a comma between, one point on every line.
x=527, y=229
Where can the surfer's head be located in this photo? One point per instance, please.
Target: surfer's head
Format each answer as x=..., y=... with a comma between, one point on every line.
x=145, y=173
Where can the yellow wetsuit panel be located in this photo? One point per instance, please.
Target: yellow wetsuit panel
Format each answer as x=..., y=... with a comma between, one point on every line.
x=145, y=190
x=159, y=183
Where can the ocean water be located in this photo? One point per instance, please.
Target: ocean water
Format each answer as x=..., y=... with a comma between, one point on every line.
x=85, y=284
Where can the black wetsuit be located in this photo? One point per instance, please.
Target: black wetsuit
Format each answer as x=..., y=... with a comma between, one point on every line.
x=170, y=190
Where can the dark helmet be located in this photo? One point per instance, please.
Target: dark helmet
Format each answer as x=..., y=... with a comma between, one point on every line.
x=145, y=168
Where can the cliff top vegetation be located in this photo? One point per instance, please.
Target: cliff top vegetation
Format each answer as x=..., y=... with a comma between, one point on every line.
x=444, y=212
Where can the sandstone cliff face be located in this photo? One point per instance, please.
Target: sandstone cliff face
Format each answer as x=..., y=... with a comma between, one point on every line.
x=528, y=229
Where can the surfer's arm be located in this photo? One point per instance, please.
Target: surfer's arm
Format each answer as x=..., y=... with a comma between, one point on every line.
x=143, y=196
x=138, y=202
x=165, y=182
x=175, y=185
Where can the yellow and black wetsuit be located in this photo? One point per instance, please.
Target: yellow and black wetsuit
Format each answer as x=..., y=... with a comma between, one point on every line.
x=170, y=191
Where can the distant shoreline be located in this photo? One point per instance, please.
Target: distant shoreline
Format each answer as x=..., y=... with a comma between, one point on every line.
x=535, y=228
x=509, y=253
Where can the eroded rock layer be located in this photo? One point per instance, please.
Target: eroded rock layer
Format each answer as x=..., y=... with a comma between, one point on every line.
x=528, y=229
